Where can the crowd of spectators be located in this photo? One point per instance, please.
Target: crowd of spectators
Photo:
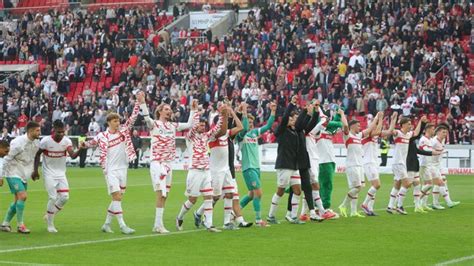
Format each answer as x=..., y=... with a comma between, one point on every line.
x=393, y=57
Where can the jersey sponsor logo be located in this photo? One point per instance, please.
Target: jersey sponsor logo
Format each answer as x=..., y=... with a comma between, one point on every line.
x=326, y=136
x=218, y=143
x=352, y=140
x=116, y=141
x=250, y=140
x=55, y=154
x=401, y=140
x=165, y=133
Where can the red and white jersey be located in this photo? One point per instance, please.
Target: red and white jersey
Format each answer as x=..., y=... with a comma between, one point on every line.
x=312, y=139
x=163, y=141
x=198, y=146
x=437, y=145
x=401, y=147
x=219, y=147
x=371, y=149
x=325, y=147
x=355, y=152
x=54, y=157
x=116, y=150
x=425, y=144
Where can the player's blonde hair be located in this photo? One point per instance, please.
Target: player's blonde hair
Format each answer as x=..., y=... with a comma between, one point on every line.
x=112, y=116
x=159, y=109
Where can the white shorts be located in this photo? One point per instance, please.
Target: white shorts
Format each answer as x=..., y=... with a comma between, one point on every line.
x=355, y=175
x=371, y=172
x=399, y=172
x=161, y=176
x=288, y=177
x=425, y=173
x=222, y=182
x=198, y=182
x=54, y=186
x=413, y=175
x=314, y=171
x=116, y=180
x=429, y=173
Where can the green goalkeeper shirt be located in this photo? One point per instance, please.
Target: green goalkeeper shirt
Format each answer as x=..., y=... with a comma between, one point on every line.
x=249, y=145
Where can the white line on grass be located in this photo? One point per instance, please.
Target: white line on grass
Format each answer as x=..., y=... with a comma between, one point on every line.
x=23, y=263
x=449, y=262
x=89, y=242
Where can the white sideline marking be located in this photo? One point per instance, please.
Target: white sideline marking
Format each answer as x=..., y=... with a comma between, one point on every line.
x=96, y=241
x=23, y=263
x=455, y=260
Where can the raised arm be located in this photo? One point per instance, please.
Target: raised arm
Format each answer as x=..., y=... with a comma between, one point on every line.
x=314, y=118
x=189, y=124
x=286, y=116
x=345, y=124
x=391, y=130
x=238, y=124
x=418, y=129
x=221, y=127
x=136, y=109
x=302, y=120
x=368, y=131
x=271, y=120
x=378, y=128
x=150, y=123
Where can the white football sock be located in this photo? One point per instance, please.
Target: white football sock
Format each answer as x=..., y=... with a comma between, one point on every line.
x=184, y=209
x=393, y=198
x=425, y=193
x=435, y=195
x=304, y=207
x=401, y=196
x=227, y=210
x=295, y=202
x=318, y=202
x=208, y=209
x=117, y=209
x=370, y=195
x=417, y=195
x=443, y=191
x=110, y=214
x=159, y=217
x=274, y=205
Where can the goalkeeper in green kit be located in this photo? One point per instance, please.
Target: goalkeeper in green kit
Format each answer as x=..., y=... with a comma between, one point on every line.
x=248, y=142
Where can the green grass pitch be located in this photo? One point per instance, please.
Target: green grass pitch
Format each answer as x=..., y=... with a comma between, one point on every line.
x=415, y=239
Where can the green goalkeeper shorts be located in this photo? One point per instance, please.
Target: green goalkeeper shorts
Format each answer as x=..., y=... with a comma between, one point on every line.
x=16, y=185
x=252, y=178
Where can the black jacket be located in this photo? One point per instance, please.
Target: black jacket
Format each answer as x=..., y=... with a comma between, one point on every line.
x=413, y=165
x=292, y=153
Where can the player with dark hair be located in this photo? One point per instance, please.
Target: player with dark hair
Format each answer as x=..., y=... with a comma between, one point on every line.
x=18, y=167
x=55, y=149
